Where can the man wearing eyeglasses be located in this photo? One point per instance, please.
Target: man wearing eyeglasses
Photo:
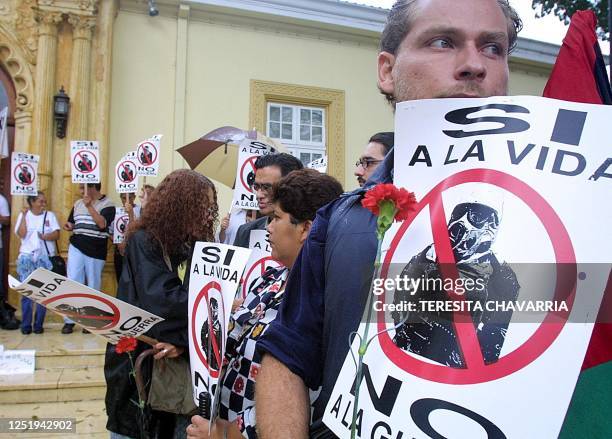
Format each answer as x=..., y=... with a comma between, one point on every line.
x=376, y=150
x=268, y=170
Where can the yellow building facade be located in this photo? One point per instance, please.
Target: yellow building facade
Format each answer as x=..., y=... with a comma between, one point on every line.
x=193, y=67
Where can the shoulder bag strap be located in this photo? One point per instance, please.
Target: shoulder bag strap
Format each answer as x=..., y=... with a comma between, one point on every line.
x=43, y=232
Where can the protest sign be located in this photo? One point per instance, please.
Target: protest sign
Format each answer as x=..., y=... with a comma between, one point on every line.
x=248, y=152
x=319, y=165
x=215, y=272
x=126, y=175
x=259, y=261
x=97, y=312
x=147, y=156
x=24, y=174
x=84, y=161
x=501, y=184
x=4, y=133
x=120, y=224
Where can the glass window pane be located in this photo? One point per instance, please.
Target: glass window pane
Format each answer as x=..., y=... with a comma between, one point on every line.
x=287, y=131
x=274, y=112
x=305, y=158
x=305, y=116
x=317, y=134
x=317, y=117
x=316, y=156
x=287, y=114
x=305, y=133
x=274, y=130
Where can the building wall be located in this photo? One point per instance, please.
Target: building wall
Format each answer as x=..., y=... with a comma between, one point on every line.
x=222, y=59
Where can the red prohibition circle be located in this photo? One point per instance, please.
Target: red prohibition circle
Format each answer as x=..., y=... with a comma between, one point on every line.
x=125, y=219
x=111, y=305
x=122, y=166
x=30, y=168
x=551, y=326
x=94, y=161
x=261, y=262
x=203, y=294
x=251, y=161
x=153, y=149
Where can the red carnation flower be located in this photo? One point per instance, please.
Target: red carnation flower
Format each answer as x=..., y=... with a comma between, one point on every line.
x=126, y=344
x=389, y=203
x=239, y=385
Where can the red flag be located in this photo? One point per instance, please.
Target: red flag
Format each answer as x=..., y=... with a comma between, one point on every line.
x=579, y=75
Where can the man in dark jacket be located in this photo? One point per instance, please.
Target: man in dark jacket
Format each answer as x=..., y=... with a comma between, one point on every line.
x=433, y=49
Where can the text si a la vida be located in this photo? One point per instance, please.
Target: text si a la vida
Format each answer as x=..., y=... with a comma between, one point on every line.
x=565, y=160
x=215, y=262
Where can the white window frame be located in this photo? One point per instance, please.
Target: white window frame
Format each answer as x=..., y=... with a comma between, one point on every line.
x=294, y=145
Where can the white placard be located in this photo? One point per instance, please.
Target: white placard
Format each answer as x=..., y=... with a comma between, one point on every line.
x=319, y=164
x=120, y=224
x=97, y=312
x=126, y=174
x=85, y=161
x=147, y=156
x=215, y=272
x=15, y=362
x=259, y=261
x=24, y=174
x=248, y=152
x=512, y=184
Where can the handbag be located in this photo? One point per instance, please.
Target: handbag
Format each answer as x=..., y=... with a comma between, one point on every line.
x=58, y=263
x=171, y=389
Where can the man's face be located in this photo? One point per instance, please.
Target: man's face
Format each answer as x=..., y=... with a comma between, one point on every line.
x=264, y=179
x=455, y=48
x=369, y=161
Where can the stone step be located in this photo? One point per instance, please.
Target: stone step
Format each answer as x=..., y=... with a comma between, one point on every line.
x=52, y=385
x=56, y=350
x=90, y=417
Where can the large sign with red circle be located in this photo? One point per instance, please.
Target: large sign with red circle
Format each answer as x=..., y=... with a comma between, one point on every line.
x=512, y=192
x=24, y=174
x=84, y=159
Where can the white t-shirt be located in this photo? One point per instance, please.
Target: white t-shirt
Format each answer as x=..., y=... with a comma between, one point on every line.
x=4, y=211
x=34, y=224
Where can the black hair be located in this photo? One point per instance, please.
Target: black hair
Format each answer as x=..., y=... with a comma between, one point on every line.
x=31, y=198
x=285, y=162
x=301, y=193
x=385, y=138
x=97, y=186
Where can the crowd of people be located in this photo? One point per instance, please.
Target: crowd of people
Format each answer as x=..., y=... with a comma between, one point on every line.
x=289, y=335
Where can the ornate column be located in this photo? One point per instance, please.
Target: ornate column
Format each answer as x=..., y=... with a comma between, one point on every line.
x=78, y=90
x=99, y=121
x=42, y=135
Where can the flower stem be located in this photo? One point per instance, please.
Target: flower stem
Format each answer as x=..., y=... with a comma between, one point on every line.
x=363, y=345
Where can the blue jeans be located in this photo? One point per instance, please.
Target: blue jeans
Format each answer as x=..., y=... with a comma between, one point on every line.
x=84, y=269
x=25, y=266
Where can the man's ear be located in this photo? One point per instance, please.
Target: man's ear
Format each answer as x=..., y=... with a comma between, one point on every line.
x=386, y=61
x=305, y=230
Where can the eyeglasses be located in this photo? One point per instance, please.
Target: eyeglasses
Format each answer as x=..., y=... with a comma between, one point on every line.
x=366, y=163
x=264, y=187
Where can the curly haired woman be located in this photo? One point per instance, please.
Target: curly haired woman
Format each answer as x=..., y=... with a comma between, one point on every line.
x=180, y=211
